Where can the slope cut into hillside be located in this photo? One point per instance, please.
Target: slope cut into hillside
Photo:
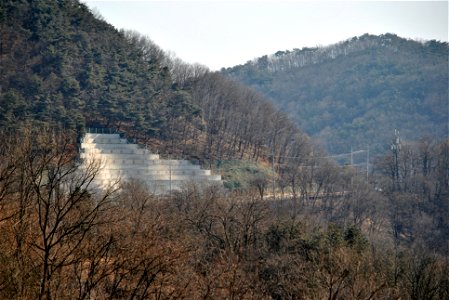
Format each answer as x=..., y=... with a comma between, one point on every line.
x=120, y=161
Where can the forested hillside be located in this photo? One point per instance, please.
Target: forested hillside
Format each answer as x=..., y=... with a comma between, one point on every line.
x=289, y=223
x=63, y=66
x=342, y=240
x=357, y=92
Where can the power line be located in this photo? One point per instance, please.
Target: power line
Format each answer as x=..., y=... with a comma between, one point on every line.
x=323, y=157
x=350, y=154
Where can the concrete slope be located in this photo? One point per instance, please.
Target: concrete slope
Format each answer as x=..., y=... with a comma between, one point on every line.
x=120, y=161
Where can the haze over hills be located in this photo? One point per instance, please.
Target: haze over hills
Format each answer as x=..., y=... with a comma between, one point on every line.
x=357, y=92
x=289, y=222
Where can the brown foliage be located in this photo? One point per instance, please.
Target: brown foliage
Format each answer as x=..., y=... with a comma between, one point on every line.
x=62, y=239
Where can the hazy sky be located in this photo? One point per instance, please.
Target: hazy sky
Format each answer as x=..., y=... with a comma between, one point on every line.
x=226, y=33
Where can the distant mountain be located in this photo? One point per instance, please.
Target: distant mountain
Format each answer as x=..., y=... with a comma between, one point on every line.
x=357, y=92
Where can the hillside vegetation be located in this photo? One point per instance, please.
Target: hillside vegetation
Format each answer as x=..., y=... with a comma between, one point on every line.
x=288, y=222
x=357, y=92
x=62, y=66
x=62, y=240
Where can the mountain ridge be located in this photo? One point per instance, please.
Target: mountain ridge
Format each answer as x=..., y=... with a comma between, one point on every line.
x=349, y=88
x=62, y=66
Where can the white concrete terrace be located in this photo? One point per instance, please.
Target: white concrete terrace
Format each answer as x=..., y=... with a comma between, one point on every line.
x=122, y=161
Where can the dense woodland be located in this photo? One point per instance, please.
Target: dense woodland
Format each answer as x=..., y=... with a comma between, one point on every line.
x=288, y=223
x=63, y=66
x=345, y=240
x=357, y=92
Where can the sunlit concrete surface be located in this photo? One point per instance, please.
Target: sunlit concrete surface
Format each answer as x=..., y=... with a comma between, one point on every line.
x=120, y=161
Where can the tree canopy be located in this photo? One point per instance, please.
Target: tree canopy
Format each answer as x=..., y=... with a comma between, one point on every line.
x=65, y=66
x=357, y=92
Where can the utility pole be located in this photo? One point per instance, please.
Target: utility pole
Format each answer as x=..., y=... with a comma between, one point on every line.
x=396, y=147
x=367, y=163
x=352, y=169
x=274, y=174
x=169, y=166
x=352, y=158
